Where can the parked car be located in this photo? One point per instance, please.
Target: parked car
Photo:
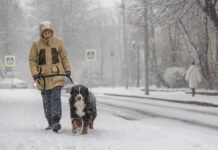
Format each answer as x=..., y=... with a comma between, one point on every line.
x=7, y=83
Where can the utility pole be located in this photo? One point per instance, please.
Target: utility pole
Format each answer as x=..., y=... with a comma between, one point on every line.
x=101, y=41
x=126, y=68
x=112, y=68
x=136, y=47
x=138, y=66
x=120, y=50
x=146, y=53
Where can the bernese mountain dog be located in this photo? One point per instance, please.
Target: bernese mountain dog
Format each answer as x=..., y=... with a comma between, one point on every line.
x=82, y=108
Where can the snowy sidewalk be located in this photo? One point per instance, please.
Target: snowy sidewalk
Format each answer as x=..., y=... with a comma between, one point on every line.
x=178, y=96
x=22, y=124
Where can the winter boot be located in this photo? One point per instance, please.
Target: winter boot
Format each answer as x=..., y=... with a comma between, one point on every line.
x=48, y=128
x=49, y=125
x=56, y=127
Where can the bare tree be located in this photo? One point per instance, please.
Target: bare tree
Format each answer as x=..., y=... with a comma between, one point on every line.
x=168, y=15
x=209, y=7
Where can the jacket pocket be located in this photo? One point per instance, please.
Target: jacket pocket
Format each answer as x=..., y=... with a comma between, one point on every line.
x=59, y=79
x=55, y=58
x=55, y=69
x=42, y=58
x=41, y=71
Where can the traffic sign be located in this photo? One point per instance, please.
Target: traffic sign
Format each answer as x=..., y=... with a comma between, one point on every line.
x=112, y=52
x=10, y=61
x=90, y=55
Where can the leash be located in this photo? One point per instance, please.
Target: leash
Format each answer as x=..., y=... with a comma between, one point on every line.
x=52, y=75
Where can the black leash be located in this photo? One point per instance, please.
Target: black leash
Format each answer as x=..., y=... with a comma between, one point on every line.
x=52, y=75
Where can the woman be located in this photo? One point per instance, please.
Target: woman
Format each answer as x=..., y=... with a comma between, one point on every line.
x=193, y=76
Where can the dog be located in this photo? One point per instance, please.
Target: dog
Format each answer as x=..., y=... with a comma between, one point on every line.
x=82, y=109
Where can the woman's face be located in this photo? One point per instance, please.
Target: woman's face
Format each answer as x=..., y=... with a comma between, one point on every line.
x=47, y=34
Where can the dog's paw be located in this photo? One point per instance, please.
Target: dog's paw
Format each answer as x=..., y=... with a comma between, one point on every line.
x=74, y=131
x=84, y=132
x=91, y=126
x=77, y=131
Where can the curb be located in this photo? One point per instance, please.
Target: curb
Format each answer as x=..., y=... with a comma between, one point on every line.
x=204, y=93
x=206, y=104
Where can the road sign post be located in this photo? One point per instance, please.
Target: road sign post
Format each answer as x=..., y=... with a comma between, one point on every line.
x=10, y=61
x=112, y=67
x=90, y=56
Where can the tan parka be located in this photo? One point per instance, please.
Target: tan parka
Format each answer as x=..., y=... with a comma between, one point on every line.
x=47, y=58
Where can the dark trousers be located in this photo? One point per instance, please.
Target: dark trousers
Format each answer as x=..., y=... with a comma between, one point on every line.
x=193, y=91
x=52, y=105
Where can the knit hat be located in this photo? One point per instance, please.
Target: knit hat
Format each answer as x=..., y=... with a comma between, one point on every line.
x=44, y=25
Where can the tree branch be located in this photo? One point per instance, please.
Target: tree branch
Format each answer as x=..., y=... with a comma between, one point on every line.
x=189, y=38
x=210, y=10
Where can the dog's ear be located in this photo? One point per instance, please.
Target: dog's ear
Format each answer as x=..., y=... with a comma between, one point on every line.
x=72, y=90
x=86, y=91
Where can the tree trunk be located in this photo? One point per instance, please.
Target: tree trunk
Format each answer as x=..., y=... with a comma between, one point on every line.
x=146, y=49
x=102, y=63
x=126, y=67
x=216, y=32
x=216, y=65
x=154, y=61
x=173, y=37
x=209, y=8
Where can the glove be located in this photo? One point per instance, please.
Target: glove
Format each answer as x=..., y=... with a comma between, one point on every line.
x=37, y=77
x=68, y=73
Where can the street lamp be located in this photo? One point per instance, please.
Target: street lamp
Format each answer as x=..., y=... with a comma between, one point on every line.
x=136, y=47
x=126, y=68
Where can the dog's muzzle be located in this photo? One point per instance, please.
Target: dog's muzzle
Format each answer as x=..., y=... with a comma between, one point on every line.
x=78, y=97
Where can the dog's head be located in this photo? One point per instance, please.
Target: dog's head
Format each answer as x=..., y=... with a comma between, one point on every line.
x=79, y=93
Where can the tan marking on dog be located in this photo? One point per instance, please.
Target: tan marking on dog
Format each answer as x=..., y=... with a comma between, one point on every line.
x=74, y=126
x=91, y=124
x=85, y=130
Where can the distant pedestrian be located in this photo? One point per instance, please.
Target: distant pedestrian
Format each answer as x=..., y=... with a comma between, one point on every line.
x=49, y=57
x=193, y=77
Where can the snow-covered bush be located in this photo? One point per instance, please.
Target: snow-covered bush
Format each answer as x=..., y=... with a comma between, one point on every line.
x=175, y=77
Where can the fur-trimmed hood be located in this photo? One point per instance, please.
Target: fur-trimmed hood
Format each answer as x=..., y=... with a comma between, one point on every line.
x=44, y=25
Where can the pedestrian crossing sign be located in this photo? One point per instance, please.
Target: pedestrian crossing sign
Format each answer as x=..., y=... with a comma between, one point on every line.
x=90, y=55
x=10, y=61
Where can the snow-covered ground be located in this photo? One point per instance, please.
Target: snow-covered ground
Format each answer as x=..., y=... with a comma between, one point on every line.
x=117, y=126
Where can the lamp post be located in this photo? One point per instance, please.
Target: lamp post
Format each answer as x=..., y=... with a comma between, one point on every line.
x=138, y=66
x=112, y=67
x=136, y=47
x=146, y=47
x=126, y=68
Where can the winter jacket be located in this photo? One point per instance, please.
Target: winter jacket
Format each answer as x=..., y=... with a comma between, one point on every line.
x=193, y=76
x=48, y=57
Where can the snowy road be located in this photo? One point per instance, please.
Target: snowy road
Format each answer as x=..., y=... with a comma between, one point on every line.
x=193, y=114
x=121, y=124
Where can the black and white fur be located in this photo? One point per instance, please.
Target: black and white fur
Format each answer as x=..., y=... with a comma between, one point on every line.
x=82, y=108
